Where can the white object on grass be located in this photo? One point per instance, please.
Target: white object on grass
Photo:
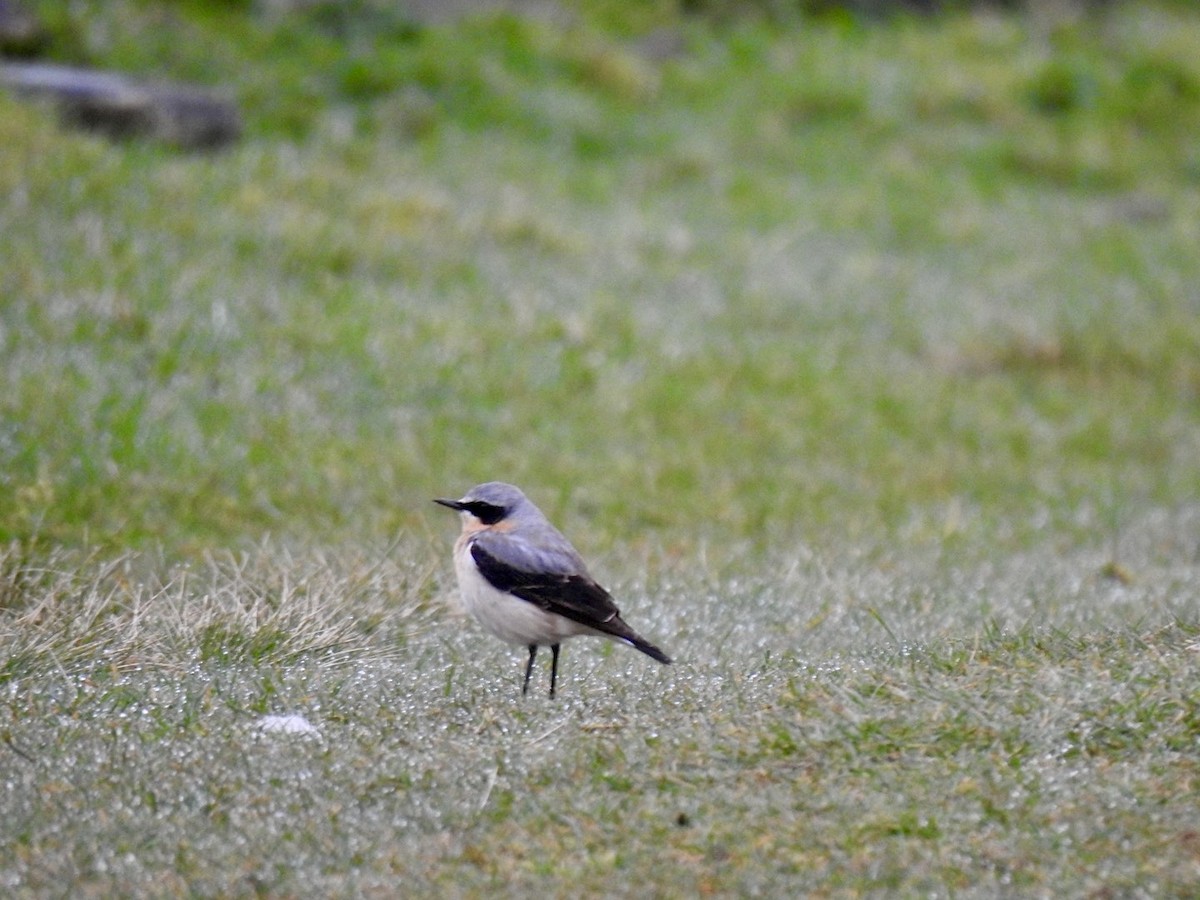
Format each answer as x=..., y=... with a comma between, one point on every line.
x=286, y=724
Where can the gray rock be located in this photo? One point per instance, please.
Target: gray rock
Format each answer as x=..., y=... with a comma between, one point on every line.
x=121, y=107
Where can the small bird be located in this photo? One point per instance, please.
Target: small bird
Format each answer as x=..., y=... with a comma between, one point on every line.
x=524, y=581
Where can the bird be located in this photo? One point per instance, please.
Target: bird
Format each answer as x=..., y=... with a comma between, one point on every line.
x=525, y=583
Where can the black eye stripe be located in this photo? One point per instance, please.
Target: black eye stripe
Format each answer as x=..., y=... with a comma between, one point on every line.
x=487, y=513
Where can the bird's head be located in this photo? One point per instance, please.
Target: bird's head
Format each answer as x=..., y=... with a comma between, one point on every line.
x=490, y=503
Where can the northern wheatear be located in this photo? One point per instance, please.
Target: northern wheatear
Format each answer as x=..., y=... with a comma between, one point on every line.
x=524, y=581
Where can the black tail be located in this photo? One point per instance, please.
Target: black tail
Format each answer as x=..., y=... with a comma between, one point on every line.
x=618, y=629
x=650, y=650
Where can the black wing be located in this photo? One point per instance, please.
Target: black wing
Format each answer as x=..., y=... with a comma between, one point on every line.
x=575, y=597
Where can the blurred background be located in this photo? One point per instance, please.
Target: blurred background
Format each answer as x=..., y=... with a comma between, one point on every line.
x=720, y=275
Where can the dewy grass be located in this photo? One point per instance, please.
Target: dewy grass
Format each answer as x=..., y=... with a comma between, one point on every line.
x=858, y=722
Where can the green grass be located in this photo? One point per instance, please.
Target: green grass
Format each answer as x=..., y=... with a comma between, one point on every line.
x=862, y=359
x=723, y=294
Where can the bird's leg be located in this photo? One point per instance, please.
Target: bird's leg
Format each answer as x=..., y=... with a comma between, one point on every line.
x=553, y=666
x=529, y=667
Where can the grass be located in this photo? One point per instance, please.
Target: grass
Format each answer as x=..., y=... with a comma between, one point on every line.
x=861, y=359
x=743, y=305
x=910, y=737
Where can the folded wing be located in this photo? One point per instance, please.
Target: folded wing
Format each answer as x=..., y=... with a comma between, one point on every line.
x=556, y=580
x=532, y=576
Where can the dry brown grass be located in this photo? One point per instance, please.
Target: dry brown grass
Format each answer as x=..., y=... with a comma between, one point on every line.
x=267, y=605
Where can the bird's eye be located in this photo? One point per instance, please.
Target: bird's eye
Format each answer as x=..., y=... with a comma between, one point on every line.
x=487, y=513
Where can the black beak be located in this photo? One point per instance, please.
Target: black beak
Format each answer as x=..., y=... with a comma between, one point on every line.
x=453, y=504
